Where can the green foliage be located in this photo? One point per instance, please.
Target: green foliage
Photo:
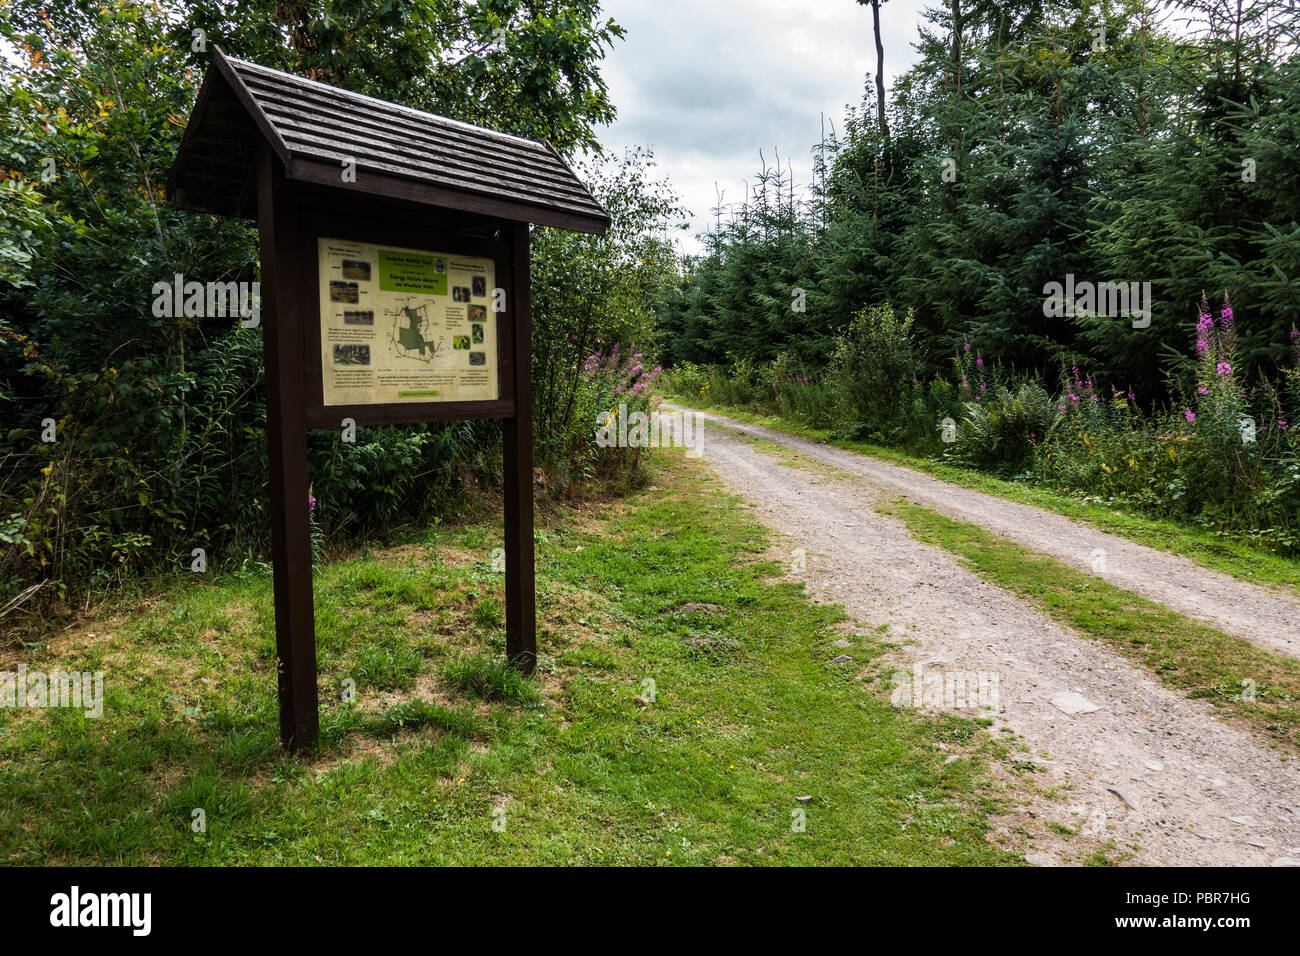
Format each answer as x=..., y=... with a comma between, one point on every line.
x=753, y=294
x=160, y=421
x=1019, y=152
x=874, y=361
x=22, y=217
x=594, y=300
x=797, y=392
x=1000, y=433
x=1227, y=461
x=389, y=476
x=687, y=378
x=491, y=678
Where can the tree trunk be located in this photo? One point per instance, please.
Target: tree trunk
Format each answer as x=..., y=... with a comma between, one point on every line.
x=880, y=68
x=956, y=43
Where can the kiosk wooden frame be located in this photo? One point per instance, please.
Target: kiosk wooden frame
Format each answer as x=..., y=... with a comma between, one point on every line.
x=268, y=145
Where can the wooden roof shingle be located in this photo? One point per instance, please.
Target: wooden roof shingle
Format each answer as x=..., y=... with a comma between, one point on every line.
x=399, y=152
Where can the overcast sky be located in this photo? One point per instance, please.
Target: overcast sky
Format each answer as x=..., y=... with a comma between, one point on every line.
x=708, y=83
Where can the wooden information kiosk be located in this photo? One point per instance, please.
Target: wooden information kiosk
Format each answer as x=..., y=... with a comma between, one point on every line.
x=395, y=289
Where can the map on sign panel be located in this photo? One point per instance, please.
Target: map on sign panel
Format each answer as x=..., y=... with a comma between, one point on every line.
x=413, y=332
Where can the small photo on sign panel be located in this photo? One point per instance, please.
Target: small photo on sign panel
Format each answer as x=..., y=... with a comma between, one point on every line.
x=476, y=331
x=344, y=292
x=460, y=342
x=460, y=293
x=480, y=286
x=478, y=358
x=358, y=318
x=352, y=355
x=356, y=269
x=477, y=313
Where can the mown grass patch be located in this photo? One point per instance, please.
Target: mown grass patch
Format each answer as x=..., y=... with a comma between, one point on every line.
x=1250, y=683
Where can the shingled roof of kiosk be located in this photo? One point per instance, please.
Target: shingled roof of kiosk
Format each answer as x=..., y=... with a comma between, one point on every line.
x=400, y=153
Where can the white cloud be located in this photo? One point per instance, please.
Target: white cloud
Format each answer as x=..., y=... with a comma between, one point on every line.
x=707, y=84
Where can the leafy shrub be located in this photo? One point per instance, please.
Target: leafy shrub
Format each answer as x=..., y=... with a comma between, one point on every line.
x=798, y=394
x=609, y=385
x=162, y=421
x=924, y=410
x=1227, y=457
x=687, y=380
x=743, y=385
x=593, y=300
x=1224, y=458
x=874, y=362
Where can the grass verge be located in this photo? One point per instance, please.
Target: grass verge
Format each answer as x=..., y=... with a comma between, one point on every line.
x=684, y=711
x=1250, y=683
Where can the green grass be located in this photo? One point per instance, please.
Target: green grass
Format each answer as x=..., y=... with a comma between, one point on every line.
x=490, y=678
x=1181, y=653
x=1239, y=559
x=681, y=705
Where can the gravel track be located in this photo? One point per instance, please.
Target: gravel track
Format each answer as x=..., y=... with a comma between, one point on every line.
x=1267, y=617
x=1148, y=768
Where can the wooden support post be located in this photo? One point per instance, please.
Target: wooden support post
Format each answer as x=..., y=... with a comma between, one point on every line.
x=286, y=437
x=517, y=439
